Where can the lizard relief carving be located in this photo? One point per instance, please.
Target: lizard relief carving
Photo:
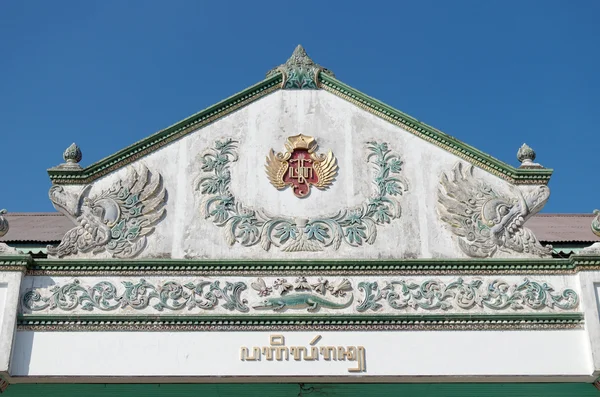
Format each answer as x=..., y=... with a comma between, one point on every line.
x=115, y=220
x=486, y=222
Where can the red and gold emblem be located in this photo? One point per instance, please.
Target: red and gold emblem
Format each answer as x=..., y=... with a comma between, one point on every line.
x=300, y=167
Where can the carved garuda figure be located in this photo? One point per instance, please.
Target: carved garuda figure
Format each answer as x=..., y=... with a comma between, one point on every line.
x=486, y=221
x=117, y=220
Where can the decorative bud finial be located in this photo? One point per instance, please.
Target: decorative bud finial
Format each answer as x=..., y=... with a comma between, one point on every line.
x=526, y=156
x=72, y=156
x=300, y=72
x=3, y=224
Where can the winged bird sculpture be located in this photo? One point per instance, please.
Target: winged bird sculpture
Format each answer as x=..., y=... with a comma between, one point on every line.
x=116, y=220
x=486, y=221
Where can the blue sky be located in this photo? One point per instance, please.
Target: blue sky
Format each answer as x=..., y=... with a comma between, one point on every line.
x=107, y=73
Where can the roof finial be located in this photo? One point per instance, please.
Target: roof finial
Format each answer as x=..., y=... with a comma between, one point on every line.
x=3, y=223
x=526, y=156
x=300, y=72
x=72, y=156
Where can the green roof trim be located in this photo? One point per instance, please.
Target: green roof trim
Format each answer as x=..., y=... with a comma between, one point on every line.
x=34, y=266
x=435, y=136
x=155, y=141
x=283, y=322
x=275, y=81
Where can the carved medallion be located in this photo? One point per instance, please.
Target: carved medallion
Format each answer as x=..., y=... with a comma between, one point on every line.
x=300, y=167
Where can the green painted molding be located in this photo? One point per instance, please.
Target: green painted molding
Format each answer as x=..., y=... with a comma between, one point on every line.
x=34, y=266
x=435, y=136
x=224, y=267
x=155, y=141
x=15, y=263
x=66, y=175
x=291, y=322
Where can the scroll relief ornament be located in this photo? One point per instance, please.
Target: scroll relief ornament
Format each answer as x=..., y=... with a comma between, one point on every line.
x=171, y=295
x=485, y=221
x=302, y=294
x=116, y=220
x=300, y=167
x=248, y=226
x=462, y=294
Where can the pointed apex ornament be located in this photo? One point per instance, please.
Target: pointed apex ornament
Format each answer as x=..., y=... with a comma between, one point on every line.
x=300, y=72
x=526, y=156
x=72, y=156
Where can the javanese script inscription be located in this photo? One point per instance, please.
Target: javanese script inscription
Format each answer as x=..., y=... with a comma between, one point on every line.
x=278, y=351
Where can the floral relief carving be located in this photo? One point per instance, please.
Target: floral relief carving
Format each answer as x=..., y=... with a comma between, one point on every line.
x=248, y=227
x=171, y=295
x=306, y=294
x=435, y=295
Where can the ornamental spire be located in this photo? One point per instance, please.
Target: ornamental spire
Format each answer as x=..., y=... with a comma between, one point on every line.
x=526, y=156
x=72, y=156
x=300, y=71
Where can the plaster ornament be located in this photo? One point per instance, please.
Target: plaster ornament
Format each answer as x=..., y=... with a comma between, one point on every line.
x=300, y=167
x=312, y=303
x=5, y=249
x=116, y=220
x=485, y=221
x=72, y=156
x=526, y=156
x=596, y=223
x=249, y=226
x=459, y=294
x=594, y=249
x=3, y=223
x=384, y=295
x=299, y=72
x=170, y=295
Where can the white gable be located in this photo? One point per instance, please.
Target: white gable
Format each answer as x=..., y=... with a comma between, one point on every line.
x=263, y=222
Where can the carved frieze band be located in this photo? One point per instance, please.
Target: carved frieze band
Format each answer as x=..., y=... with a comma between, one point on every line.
x=115, y=220
x=300, y=296
x=248, y=227
x=485, y=221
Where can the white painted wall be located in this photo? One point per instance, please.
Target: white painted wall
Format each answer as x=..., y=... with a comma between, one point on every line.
x=10, y=283
x=590, y=305
x=337, y=125
x=511, y=354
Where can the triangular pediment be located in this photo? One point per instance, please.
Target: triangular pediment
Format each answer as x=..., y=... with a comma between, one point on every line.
x=346, y=177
